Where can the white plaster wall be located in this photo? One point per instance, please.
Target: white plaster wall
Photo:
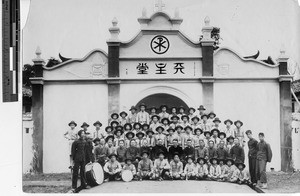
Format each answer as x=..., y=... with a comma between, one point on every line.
x=296, y=140
x=63, y=103
x=131, y=93
x=179, y=47
x=27, y=145
x=256, y=103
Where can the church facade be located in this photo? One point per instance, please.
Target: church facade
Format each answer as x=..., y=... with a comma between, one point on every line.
x=160, y=64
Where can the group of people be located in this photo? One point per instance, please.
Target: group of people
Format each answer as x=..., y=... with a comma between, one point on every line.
x=169, y=146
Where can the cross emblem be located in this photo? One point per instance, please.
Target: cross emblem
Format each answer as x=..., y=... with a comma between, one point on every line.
x=159, y=5
x=160, y=44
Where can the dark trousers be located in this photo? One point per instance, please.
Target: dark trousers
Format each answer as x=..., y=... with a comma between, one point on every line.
x=252, y=169
x=261, y=170
x=112, y=177
x=79, y=165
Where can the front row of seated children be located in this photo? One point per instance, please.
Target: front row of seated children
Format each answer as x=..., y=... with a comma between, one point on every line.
x=161, y=169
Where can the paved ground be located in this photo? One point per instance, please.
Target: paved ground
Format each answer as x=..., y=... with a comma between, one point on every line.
x=169, y=187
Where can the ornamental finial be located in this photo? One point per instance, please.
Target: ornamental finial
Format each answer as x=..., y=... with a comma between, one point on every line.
x=206, y=21
x=38, y=52
x=159, y=5
x=114, y=22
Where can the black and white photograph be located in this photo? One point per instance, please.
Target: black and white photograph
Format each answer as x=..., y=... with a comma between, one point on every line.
x=152, y=96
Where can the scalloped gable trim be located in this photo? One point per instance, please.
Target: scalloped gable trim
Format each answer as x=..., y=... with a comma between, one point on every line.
x=76, y=59
x=245, y=59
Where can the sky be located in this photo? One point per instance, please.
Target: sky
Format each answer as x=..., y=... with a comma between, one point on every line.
x=75, y=27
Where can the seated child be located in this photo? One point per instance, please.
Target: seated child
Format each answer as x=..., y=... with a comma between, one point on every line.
x=190, y=169
x=243, y=177
x=176, y=171
x=161, y=168
x=230, y=175
x=201, y=169
x=129, y=166
x=112, y=169
x=145, y=167
x=214, y=170
x=224, y=169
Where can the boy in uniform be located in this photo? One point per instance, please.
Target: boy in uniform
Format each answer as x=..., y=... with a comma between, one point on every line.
x=230, y=175
x=239, y=132
x=171, y=136
x=181, y=113
x=173, y=112
x=214, y=169
x=176, y=171
x=71, y=136
x=205, y=126
x=212, y=151
x=129, y=136
x=211, y=117
x=190, y=169
x=155, y=123
x=161, y=168
x=191, y=114
x=84, y=127
x=143, y=116
x=165, y=124
x=215, y=137
x=140, y=139
x=216, y=124
x=196, y=123
x=145, y=167
x=201, y=110
x=150, y=139
x=137, y=127
x=188, y=136
x=123, y=118
x=114, y=117
x=207, y=138
x=132, y=116
x=163, y=113
x=180, y=132
x=118, y=135
x=175, y=121
x=228, y=128
x=243, y=177
x=108, y=131
x=110, y=145
x=112, y=169
x=264, y=155
x=160, y=135
x=152, y=113
x=201, y=169
x=127, y=127
x=145, y=127
x=185, y=121
x=114, y=125
x=98, y=133
x=230, y=143
x=222, y=137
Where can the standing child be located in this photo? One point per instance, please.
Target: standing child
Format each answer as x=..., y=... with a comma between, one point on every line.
x=239, y=132
x=180, y=132
x=207, y=138
x=98, y=133
x=143, y=116
x=196, y=122
x=191, y=114
x=165, y=124
x=163, y=113
x=205, y=126
x=215, y=137
x=137, y=127
x=132, y=116
x=175, y=121
x=228, y=128
x=114, y=117
x=173, y=112
x=150, y=139
x=185, y=121
x=155, y=123
x=214, y=169
x=201, y=110
x=118, y=135
x=216, y=124
x=252, y=154
x=140, y=139
x=181, y=113
x=71, y=136
x=190, y=169
x=160, y=135
x=128, y=137
x=153, y=111
x=230, y=143
x=127, y=127
x=201, y=169
x=176, y=171
x=189, y=150
x=171, y=136
x=211, y=117
x=222, y=137
x=123, y=118
x=188, y=136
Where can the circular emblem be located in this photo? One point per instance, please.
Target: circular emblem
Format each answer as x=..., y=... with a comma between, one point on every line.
x=160, y=44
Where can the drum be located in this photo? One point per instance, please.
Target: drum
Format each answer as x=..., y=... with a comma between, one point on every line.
x=127, y=176
x=94, y=174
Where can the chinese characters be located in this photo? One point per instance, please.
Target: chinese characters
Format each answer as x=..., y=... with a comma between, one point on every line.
x=161, y=68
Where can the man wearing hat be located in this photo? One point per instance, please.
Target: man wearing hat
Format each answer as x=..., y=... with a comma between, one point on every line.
x=123, y=118
x=101, y=152
x=228, y=128
x=132, y=116
x=214, y=169
x=201, y=169
x=79, y=158
x=71, y=136
x=237, y=152
x=201, y=110
x=145, y=167
x=176, y=171
x=154, y=123
x=189, y=169
x=112, y=169
x=175, y=149
x=239, y=132
x=98, y=133
x=163, y=113
x=143, y=116
x=161, y=167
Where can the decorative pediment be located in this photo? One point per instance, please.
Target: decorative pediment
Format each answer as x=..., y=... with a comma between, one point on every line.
x=92, y=66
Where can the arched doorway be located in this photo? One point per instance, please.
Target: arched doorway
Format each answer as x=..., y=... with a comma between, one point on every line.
x=162, y=98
